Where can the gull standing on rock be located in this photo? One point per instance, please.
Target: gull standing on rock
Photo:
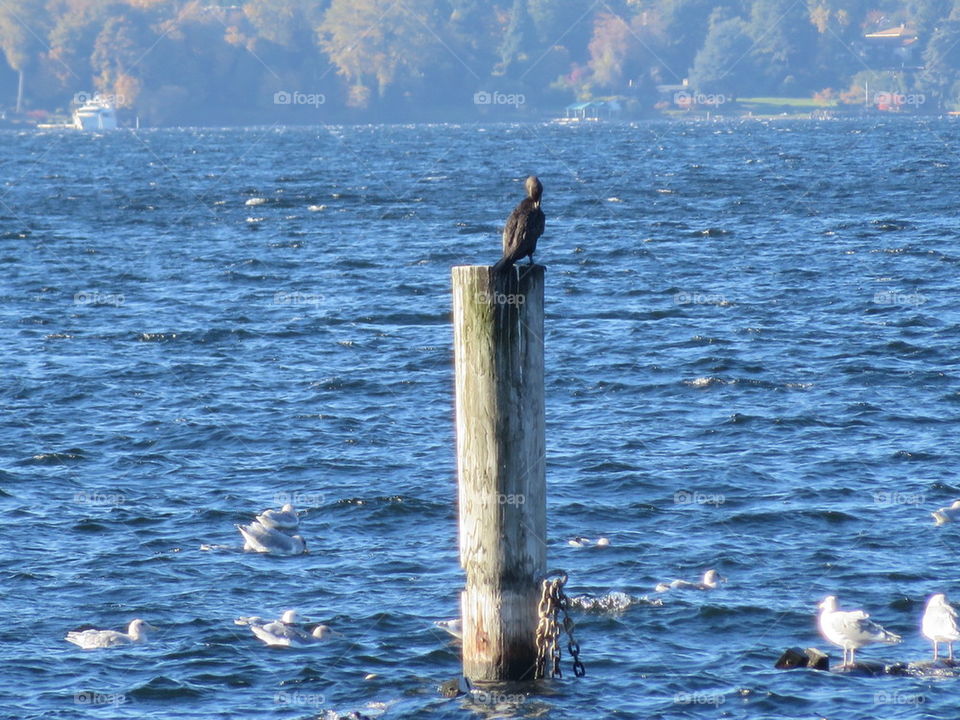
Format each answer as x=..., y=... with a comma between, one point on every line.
x=939, y=623
x=850, y=629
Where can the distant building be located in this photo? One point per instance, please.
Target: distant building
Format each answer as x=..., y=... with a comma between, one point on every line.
x=593, y=110
x=893, y=48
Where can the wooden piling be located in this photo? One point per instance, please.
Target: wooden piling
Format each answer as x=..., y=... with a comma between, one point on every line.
x=498, y=344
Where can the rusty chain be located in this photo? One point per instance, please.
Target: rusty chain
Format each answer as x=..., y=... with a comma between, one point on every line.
x=553, y=602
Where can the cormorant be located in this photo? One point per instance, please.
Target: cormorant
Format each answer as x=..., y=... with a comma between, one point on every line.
x=524, y=227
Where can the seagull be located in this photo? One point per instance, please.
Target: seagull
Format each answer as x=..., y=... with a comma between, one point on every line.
x=93, y=639
x=289, y=617
x=947, y=514
x=258, y=538
x=283, y=519
x=278, y=634
x=939, y=623
x=851, y=629
x=580, y=541
x=454, y=627
x=284, y=632
x=711, y=578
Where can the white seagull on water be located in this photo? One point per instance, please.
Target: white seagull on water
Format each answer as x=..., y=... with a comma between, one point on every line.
x=93, y=639
x=939, y=623
x=284, y=632
x=711, y=578
x=285, y=518
x=947, y=514
x=851, y=629
x=262, y=539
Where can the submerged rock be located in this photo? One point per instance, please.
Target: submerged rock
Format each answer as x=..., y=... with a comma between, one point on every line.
x=797, y=657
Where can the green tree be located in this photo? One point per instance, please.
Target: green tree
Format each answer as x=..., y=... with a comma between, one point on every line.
x=117, y=53
x=784, y=45
x=941, y=60
x=378, y=43
x=724, y=64
x=23, y=26
x=608, y=50
x=518, y=40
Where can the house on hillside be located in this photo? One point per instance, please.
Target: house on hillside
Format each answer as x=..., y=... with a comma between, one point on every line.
x=892, y=49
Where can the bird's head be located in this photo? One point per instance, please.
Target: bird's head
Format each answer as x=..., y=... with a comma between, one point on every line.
x=534, y=188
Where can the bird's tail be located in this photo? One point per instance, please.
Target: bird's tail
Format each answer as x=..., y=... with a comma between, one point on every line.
x=502, y=265
x=889, y=637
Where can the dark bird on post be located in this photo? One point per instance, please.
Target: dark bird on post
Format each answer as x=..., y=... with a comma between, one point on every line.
x=524, y=227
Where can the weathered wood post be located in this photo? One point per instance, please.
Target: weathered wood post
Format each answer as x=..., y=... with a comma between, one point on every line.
x=498, y=343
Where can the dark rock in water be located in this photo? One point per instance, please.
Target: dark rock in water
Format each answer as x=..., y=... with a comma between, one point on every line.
x=868, y=668
x=454, y=688
x=817, y=659
x=792, y=658
x=931, y=668
x=797, y=657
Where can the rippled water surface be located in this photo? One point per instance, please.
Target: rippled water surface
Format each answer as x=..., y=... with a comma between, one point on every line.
x=752, y=365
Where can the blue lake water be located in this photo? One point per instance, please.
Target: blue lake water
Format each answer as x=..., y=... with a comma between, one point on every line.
x=752, y=365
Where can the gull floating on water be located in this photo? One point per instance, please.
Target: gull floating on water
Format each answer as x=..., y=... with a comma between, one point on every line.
x=711, y=578
x=939, y=623
x=580, y=541
x=284, y=632
x=291, y=617
x=283, y=519
x=92, y=639
x=454, y=627
x=851, y=629
x=278, y=634
x=261, y=539
x=947, y=514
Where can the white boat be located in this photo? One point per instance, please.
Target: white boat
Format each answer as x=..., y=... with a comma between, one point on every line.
x=95, y=115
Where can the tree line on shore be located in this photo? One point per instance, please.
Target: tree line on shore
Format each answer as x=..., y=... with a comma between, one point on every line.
x=197, y=62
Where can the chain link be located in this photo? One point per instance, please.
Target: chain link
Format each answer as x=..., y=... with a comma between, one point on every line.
x=553, y=602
